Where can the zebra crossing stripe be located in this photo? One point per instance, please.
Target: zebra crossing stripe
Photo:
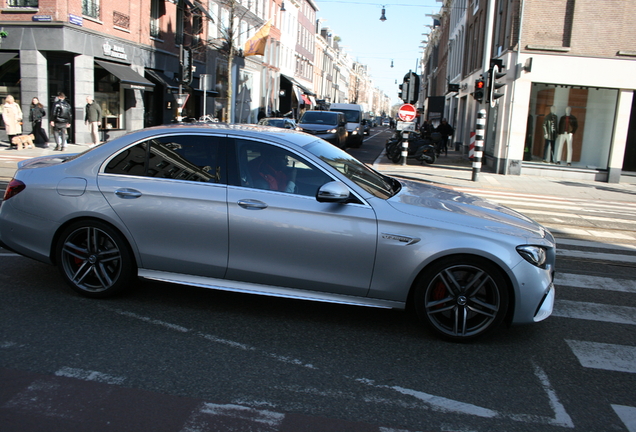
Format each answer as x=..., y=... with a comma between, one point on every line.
x=596, y=244
x=595, y=282
x=595, y=312
x=627, y=415
x=594, y=355
x=596, y=256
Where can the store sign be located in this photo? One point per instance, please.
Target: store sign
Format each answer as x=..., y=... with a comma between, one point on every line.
x=115, y=51
x=74, y=19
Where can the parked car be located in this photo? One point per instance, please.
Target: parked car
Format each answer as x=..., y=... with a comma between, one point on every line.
x=269, y=211
x=385, y=122
x=330, y=126
x=281, y=122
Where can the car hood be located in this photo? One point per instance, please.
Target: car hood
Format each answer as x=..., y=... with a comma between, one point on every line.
x=449, y=206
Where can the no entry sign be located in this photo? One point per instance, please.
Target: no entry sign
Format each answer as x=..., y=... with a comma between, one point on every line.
x=407, y=112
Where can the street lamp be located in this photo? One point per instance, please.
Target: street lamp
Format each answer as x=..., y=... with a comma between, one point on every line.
x=383, y=16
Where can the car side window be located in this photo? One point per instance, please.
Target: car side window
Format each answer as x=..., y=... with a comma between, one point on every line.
x=268, y=167
x=199, y=158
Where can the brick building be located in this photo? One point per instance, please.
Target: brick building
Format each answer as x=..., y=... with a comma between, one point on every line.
x=568, y=107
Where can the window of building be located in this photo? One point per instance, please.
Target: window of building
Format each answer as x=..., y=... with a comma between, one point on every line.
x=570, y=125
x=110, y=97
x=23, y=3
x=155, y=14
x=90, y=8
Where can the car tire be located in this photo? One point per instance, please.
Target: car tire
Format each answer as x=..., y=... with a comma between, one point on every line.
x=94, y=259
x=462, y=297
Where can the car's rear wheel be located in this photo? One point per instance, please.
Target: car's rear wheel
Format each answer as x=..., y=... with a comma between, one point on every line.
x=462, y=298
x=94, y=259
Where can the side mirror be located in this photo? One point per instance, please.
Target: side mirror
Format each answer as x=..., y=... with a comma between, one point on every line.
x=333, y=192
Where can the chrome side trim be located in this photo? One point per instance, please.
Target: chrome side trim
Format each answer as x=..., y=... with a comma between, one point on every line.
x=268, y=290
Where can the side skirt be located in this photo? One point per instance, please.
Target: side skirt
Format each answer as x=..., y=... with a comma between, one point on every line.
x=268, y=290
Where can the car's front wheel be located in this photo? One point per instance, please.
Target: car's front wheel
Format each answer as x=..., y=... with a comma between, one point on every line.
x=94, y=259
x=462, y=297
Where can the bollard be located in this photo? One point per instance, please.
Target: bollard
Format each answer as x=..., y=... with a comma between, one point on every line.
x=405, y=147
x=479, y=143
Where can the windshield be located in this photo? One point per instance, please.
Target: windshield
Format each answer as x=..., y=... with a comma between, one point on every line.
x=319, y=117
x=367, y=178
x=352, y=116
x=277, y=123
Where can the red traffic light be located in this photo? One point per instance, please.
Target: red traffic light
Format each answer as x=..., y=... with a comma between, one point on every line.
x=479, y=84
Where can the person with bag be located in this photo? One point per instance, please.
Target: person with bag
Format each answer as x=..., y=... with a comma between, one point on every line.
x=12, y=117
x=36, y=114
x=61, y=119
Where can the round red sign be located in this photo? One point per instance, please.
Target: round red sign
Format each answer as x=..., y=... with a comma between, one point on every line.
x=407, y=112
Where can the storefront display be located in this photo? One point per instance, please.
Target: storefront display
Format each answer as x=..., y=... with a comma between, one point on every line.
x=570, y=125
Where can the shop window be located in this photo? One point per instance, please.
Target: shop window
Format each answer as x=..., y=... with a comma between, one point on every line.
x=90, y=8
x=110, y=98
x=570, y=125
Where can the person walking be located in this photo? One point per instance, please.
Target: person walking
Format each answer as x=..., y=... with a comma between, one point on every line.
x=12, y=117
x=61, y=119
x=93, y=119
x=36, y=113
x=445, y=130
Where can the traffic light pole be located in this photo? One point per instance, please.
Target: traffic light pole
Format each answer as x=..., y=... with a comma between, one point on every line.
x=480, y=128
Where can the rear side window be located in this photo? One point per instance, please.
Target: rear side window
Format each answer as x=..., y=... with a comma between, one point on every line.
x=198, y=158
x=318, y=117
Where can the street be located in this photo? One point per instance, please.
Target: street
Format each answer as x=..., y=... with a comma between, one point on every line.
x=367, y=368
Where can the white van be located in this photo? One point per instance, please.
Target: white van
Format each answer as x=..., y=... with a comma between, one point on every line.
x=353, y=113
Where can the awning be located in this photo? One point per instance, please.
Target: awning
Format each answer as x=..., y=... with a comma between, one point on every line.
x=306, y=100
x=296, y=83
x=163, y=79
x=128, y=77
x=6, y=56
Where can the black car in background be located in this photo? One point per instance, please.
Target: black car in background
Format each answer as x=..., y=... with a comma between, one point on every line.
x=328, y=125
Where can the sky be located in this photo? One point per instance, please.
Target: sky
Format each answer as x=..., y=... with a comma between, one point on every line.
x=376, y=43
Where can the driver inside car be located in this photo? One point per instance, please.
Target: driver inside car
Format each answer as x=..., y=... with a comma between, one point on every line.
x=270, y=171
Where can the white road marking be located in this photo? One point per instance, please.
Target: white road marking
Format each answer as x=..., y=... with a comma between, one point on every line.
x=595, y=282
x=88, y=375
x=561, y=418
x=595, y=312
x=594, y=355
x=628, y=416
x=596, y=244
x=266, y=420
x=596, y=255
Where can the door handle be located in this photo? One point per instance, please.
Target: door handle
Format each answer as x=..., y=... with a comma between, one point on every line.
x=127, y=193
x=252, y=204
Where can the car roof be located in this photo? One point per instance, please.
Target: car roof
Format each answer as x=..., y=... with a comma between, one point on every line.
x=244, y=130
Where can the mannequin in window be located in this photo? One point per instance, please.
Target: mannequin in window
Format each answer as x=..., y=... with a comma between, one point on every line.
x=550, y=135
x=567, y=127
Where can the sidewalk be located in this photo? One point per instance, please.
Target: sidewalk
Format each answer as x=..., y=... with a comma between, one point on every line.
x=454, y=170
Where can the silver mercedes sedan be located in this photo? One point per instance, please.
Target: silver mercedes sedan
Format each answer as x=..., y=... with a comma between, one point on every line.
x=270, y=211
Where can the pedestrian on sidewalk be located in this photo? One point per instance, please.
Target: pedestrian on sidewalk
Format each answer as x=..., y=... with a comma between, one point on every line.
x=445, y=131
x=93, y=119
x=36, y=114
x=12, y=117
x=61, y=120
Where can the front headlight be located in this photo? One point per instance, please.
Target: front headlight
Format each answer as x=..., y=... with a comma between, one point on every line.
x=535, y=255
x=332, y=131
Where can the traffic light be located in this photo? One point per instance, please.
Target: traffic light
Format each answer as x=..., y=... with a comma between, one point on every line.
x=480, y=89
x=413, y=93
x=495, y=73
x=186, y=66
x=401, y=92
